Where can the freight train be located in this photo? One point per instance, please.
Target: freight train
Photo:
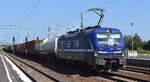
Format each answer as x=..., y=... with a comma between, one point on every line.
x=95, y=48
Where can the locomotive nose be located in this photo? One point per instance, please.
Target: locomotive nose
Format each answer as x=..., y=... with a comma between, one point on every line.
x=109, y=49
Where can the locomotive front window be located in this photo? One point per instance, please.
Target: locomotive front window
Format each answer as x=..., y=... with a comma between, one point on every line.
x=108, y=38
x=102, y=38
x=116, y=38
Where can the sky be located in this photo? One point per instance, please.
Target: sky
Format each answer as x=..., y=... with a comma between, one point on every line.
x=33, y=17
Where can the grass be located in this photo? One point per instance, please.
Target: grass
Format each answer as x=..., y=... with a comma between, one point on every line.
x=142, y=51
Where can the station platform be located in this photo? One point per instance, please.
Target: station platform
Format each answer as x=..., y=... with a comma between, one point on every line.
x=146, y=57
x=143, y=61
x=7, y=72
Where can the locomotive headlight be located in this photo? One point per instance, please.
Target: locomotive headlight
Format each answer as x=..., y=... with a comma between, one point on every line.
x=123, y=54
x=95, y=54
x=117, y=52
x=102, y=52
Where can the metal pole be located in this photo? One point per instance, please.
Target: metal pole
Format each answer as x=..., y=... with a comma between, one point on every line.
x=81, y=20
x=53, y=32
x=0, y=47
x=26, y=49
x=68, y=28
x=49, y=29
x=132, y=35
x=13, y=45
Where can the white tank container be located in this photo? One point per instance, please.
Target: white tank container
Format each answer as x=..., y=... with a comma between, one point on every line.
x=48, y=46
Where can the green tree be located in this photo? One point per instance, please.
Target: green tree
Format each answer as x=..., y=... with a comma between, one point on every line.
x=137, y=41
x=128, y=41
x=147, y=45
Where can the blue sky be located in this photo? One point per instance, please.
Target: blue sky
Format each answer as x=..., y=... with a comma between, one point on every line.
x=37, y=15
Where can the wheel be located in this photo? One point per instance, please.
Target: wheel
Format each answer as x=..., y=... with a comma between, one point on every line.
x=107, y=67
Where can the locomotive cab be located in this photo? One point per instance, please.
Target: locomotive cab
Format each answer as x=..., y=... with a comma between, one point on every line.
x=109, y=47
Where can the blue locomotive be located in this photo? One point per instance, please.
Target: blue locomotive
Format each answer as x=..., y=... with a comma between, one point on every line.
x=98, y=48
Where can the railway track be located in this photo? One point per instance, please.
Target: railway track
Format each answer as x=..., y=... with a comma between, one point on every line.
x=50, y=76
x=128, y=78
x=125, y=76
x=128, y=74
x=136, y=70
x=120, y=76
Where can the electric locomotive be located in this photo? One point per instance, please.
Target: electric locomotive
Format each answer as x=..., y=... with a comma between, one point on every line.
x=99, y=48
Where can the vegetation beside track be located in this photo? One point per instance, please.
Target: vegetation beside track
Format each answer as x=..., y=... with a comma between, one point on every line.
x=141, y=46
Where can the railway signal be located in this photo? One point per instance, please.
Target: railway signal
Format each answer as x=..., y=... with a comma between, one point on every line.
x=13, y=45
x=10, y=25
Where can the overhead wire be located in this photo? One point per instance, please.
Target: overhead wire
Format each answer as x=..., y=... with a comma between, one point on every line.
x=133, y=12
x=78, y=15
x=29, y=14
x=129, y=14
x=136, y=12
x=106, y=3
x=26, y=17
x=75, y=16
x=72, y=17
x=102, y=5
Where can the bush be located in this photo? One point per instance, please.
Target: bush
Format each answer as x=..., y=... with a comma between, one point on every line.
x=126, y=51
x=142, y=51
